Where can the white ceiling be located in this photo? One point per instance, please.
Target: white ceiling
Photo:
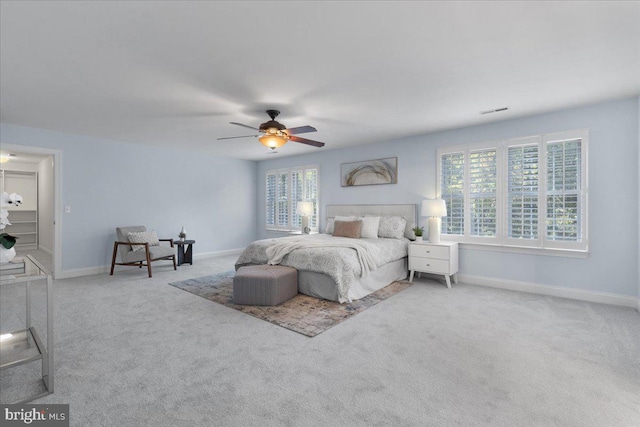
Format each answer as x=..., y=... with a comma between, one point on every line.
x=176, y=73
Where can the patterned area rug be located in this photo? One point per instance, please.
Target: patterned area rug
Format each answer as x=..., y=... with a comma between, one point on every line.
x=303, y=314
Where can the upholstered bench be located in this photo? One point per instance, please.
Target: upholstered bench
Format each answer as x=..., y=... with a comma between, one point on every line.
x=264, y=284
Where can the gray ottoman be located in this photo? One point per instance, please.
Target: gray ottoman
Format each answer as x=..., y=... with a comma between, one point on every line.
x=264, y=284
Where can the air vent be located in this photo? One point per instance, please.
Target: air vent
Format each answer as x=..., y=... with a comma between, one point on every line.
x=497, y=110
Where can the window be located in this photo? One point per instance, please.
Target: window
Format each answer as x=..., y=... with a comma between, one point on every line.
x=525, y=192
x=452, y=191
x=284, y=189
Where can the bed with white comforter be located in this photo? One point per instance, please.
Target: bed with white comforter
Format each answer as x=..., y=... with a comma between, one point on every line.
x=338, y=268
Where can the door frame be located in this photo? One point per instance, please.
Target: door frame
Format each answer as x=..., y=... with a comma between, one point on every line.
x=57, y=197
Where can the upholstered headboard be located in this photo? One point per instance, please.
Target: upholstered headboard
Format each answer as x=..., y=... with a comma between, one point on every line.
x=408, y=211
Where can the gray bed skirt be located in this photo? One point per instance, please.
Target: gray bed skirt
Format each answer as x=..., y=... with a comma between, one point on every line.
x=322, y=286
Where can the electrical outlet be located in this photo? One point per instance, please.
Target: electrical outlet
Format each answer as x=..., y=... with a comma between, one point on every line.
x=67, y=209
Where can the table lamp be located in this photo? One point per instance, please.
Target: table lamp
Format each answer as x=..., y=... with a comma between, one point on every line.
x=305, y=209
x=434, y=209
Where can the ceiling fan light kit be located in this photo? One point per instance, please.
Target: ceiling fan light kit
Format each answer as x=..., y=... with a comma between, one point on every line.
x=272, y=141
x=275, y=134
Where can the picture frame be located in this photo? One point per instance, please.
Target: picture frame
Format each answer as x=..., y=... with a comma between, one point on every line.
x=369, y=172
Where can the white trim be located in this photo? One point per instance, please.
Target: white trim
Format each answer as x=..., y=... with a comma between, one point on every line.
x=78, y=272
x=57, y=197
x=216, y=254
x=90, y=271
x=566, y=253
x=555, y=291
x=43, y=249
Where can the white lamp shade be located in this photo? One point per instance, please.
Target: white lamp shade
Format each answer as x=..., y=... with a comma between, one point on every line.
x=434, y=208
x=304, y=208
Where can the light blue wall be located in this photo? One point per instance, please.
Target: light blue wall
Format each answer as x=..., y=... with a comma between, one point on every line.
x=110, y=184
x=612, y=266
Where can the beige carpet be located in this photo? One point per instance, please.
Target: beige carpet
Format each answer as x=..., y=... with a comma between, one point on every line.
x=303, y=314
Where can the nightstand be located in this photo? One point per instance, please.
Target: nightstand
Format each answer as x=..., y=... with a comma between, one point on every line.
x=436, y=258
x=185, y=254
x=300, y=233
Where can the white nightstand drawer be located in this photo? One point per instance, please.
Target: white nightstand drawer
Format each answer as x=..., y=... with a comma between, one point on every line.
x=429, y=251
x=429, y=265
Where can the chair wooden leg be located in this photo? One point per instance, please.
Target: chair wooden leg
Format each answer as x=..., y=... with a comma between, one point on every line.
x=148, y=259
x=113, y=258
x=174, y=262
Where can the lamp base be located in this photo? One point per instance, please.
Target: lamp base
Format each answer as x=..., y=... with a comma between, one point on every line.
x=434, y=230
x=305, y=224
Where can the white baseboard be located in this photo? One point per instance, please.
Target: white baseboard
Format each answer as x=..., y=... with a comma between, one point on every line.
x=218, y=253
x=77, y=272
x=555, y=291
x=89, y=271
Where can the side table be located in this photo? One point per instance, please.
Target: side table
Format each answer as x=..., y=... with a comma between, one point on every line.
x=25, y=345
x=185, y=254
x=436, y=258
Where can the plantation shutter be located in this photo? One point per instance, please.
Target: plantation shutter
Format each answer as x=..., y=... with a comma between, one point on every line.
x=297, y=195
x=282, y=216
x=271, y=199
x=452, y=191
x=528, y=192
x=283, y=190
x=311, y=194
x=522, y=191
x=564, y=190
x=483, y=192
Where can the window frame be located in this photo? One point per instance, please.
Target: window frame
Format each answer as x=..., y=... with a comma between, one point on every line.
x=541, y=244
x=289, y=172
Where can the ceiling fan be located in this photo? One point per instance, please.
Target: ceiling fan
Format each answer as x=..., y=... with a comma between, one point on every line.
x=274, y=134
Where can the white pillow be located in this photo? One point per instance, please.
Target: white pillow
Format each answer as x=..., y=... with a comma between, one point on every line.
x=370, y=226
x=392, y=227
x=332, y=220
x=143, y=237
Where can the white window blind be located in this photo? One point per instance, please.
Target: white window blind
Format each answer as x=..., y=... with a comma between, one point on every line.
x=529, y=192
x=483, y=192
x=563, y=190
x=452, y=191
x=271, y=199
x=522, y=192
x=284, y=189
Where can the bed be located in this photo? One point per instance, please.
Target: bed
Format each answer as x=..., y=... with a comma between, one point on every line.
x=329, y=267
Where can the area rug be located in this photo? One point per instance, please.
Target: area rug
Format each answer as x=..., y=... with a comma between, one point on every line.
x=303, y=314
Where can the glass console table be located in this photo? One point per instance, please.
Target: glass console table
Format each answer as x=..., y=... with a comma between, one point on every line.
x=25, y=345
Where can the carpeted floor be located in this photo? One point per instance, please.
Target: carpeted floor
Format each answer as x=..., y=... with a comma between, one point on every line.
x=303, y=314
x=132, y=351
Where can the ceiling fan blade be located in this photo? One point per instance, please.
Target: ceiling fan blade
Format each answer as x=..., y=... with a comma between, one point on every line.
x=301, y=129
x=306, y=141
x=234, y=137
x=244, y=126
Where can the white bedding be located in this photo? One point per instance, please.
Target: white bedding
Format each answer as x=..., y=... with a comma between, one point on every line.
x=333, y=256
x=368, y=253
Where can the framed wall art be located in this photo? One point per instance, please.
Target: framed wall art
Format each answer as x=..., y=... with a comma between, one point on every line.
x=370, y=172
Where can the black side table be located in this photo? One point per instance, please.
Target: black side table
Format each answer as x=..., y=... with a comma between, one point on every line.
x=185, y=255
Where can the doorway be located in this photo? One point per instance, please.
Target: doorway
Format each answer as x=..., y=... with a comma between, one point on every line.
x=34, y=173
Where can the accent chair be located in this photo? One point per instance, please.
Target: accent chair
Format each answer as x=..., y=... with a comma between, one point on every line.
x=140, y=257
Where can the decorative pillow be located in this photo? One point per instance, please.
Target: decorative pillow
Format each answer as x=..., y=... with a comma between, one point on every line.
x=370, y=225
x=331, y=221
x=392, y=227
x=143, y=237
x=347, y=229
